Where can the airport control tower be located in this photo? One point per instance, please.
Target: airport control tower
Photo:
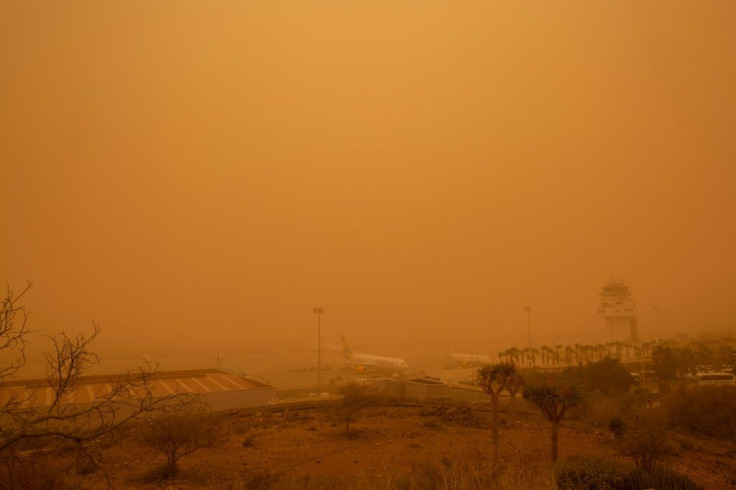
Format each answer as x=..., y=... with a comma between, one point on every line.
x=618, y=311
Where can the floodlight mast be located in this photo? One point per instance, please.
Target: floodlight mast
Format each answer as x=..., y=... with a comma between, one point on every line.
x=318, y=310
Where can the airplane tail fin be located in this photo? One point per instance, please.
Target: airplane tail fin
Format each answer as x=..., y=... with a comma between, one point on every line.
x=346, y=352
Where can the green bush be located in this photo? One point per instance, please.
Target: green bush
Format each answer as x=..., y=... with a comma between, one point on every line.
x=706, y=410
x=590, y=473
x=608, y=376
x=586, y=472
x=617, y=426
x=648, y=444
x=631, y=402
x=433, y=423
x=659, y=478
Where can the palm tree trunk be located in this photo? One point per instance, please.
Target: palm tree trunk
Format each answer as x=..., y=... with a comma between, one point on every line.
x=494, y=426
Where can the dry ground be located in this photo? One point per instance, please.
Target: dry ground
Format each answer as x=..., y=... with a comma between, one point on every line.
x=305, y=447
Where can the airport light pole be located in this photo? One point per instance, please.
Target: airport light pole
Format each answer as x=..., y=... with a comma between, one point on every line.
x=656, y=320
x=318, y=310
x=529, y=323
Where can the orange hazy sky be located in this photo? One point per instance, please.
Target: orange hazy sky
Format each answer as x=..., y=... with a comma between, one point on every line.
x=199, y=175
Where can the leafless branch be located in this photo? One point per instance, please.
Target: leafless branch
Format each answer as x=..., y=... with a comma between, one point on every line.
x=13, y=332
x=23, y=418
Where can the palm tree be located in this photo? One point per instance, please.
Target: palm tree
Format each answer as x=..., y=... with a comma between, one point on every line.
x=569, y=351
x=647, y=348
x=583, y=349
x=546, y=355
x=591, y=353
x=493, y=379
x=627, y=347
x=554, y=402
x=598, y=349
x=506, y=356
x=533, y=356
x=513, y=354
x=524, y=356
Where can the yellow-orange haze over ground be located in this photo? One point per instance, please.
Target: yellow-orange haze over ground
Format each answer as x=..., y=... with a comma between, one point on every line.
x=199, y=175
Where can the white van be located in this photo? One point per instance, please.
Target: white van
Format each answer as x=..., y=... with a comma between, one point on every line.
x=716, y=379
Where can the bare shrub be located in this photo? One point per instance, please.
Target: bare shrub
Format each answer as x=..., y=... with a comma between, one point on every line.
x=647, y=443
x=31, y=425
x=355, y=398
x=249, y=440
x=177, y=435
x=617, y=426
x=456, y=413
x=462, y=474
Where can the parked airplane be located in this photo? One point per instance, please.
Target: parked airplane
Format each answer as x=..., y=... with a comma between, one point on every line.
x=469, y=359
x=366, y=360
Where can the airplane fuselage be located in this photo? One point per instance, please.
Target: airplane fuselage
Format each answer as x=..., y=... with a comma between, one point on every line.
x=364, y=360
x=380, y=361
x=470, y=358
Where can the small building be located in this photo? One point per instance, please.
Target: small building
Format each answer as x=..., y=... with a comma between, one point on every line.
x=426, y=388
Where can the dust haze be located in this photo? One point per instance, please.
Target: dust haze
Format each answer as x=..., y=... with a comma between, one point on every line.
x=196, y=177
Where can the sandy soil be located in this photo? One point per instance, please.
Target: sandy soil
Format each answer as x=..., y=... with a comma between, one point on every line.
x=306, y=444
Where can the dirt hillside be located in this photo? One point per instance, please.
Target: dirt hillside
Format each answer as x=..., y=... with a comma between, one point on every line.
x=305, y=446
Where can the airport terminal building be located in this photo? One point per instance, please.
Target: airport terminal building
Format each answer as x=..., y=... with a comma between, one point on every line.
x=221, y=390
